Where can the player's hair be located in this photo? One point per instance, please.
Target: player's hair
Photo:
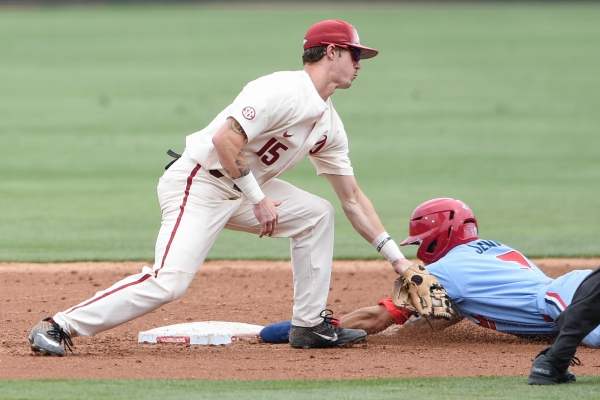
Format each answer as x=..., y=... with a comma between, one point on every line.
x=315, y=54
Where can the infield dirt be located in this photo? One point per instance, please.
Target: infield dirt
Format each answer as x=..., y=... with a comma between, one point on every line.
x=256, y=293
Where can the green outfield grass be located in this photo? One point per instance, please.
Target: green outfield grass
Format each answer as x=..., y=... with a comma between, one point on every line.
x=496, y=105
x=366, y=389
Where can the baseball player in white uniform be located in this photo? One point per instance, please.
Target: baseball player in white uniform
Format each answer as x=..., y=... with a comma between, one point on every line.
x=227, y=178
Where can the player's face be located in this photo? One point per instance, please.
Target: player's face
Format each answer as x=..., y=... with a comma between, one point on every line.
x=348, y=64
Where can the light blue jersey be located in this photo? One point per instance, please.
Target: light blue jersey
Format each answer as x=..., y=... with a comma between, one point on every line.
x=497, y=287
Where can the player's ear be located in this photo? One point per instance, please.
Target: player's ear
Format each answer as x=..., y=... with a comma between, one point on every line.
x=331, y=51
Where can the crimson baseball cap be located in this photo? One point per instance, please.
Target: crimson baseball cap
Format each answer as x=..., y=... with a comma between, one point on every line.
x=339, y=33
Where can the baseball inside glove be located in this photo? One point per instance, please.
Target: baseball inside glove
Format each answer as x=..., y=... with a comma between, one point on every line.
x=420, y=292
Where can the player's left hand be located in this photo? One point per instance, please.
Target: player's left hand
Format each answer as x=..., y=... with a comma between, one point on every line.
x=419, y=291
x=267, y=215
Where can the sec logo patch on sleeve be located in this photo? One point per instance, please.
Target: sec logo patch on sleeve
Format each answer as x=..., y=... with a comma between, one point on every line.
x=249, y=113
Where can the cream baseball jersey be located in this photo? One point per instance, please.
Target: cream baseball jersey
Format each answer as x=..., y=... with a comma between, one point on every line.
x=285, y=120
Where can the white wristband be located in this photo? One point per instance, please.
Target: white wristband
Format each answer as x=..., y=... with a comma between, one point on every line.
x=249, y=186
x=386, y=246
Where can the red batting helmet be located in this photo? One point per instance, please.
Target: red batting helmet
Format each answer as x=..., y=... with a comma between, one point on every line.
x=438, y=226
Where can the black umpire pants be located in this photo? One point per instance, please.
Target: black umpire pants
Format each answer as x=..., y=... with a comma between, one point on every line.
x=580, y=318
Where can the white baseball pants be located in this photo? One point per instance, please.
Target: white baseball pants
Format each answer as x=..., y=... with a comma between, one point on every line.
x=196, y=206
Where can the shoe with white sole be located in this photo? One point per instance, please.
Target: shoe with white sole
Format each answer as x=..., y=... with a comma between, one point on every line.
x=324, y=335
x=49, y=338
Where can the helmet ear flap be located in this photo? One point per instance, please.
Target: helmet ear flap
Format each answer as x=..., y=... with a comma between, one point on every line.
x=432, y=246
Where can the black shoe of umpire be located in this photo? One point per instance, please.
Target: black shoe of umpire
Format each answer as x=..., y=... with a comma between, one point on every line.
x=324, y=335
x=546, y=371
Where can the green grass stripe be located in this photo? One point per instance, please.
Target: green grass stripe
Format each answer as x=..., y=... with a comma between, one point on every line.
x=430, y=388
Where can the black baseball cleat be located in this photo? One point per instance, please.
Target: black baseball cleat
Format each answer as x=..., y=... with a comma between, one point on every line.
x=47, y=336
x=324, y=335
x=545, y=370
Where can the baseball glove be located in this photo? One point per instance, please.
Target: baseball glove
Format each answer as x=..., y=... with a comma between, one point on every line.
x=418, y=291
